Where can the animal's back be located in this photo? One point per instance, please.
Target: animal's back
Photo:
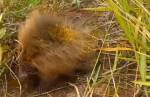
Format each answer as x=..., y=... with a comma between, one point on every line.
x=50, y=48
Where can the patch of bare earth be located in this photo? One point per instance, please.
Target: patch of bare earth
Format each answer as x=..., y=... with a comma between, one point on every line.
x=103, y=25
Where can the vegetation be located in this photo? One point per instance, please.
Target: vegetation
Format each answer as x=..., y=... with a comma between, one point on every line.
x=133, y=17
x=131, y=58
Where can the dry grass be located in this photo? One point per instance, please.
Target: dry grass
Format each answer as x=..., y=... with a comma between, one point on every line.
x=123, y=32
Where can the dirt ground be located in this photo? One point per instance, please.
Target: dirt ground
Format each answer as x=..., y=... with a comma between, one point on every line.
x=102, y=24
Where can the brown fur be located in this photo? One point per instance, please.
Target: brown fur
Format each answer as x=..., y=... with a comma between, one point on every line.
x=51, y=48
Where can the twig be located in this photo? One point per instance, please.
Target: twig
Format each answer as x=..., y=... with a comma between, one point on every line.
x=20, y=86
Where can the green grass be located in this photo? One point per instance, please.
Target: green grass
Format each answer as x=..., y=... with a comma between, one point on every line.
x=133, y=17
x=12, y=11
